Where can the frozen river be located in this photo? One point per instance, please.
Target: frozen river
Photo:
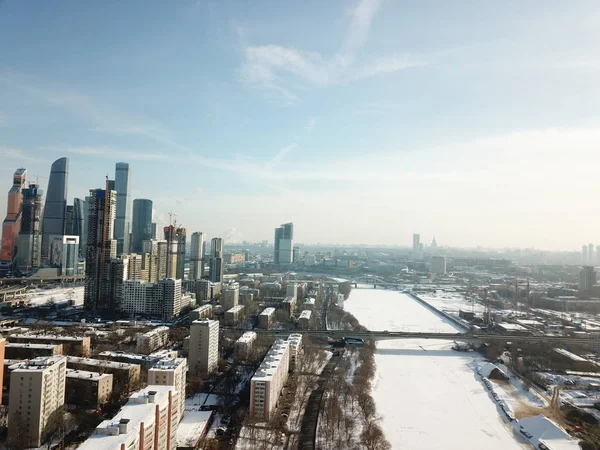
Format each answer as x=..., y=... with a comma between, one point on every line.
x=427, y=394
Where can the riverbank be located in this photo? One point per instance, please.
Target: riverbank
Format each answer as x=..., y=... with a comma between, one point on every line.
x=428, y=395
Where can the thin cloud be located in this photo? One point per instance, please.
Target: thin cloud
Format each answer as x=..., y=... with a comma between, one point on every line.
x=279, y=156
x=14, y=154
x=311, y=125
x=282, y=71
x=112, y=153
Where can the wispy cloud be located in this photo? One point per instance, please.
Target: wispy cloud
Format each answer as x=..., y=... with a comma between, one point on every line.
x=14, y=154
x=112, y=153
x=284, y=71
x=279, y=156
x=311, y=125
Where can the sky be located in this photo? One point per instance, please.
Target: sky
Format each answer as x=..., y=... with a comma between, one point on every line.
x=361, y=121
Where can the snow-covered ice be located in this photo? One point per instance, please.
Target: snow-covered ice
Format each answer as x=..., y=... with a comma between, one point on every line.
x=41, y=296
x=428, y=395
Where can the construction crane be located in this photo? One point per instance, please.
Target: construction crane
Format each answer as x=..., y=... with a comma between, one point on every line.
x=37, y=177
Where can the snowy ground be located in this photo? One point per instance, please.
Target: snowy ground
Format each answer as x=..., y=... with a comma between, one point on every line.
x=42, y=296
x=428, y=395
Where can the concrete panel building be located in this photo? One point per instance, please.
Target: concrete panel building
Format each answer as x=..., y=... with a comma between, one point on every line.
x=37, y=394
x=202, y=312
x=304, y=320
x=204, y=347
x=148, y=421
x=71, y=345
x=170, y=372
x=31, y=351
x=232, y=316
x=268, y=380
x=125, y=376
x=230, y=296
x=87, y=390
x=243, y=346
x=295, y=343
x=266, y=318
x=152, y=340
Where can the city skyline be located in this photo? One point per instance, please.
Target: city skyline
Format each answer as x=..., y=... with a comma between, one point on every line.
x=409, y=127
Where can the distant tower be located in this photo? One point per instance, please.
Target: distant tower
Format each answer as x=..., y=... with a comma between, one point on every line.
x=416, y=243
x=30, y=237
x=584, y=255
x=216, y=260
x=598, y=254
x=55, y=210
x=176, y=239
x=78, y=221
x=123, y=220
x=284, y=244
x=591, y=253
x=12, y=224
x=141, y=228
x=587, y=278
x=197, y=256
x=101, y=266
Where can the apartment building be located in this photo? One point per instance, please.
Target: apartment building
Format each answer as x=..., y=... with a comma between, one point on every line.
x=230, y=296
x=266, y=318
x=268, y=380
x=232, y=316
x=125, y=376
x=87, y=390
x=71, y=345
x=202, y=312
x=305, y=319
x=295, y=343
x=204, y=346
x=152, y=340
x=37, y=394
x=171, y=372
x=148, y=421
x=30, y=351
x=289, y=305
x=243, y=346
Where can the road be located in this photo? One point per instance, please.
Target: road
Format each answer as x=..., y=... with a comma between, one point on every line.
x=310, y=420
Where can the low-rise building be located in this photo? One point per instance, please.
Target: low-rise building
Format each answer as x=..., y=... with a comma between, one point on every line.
x=29, y=351
x=232, y=316
x=234, y=258
x=305, y=319
x=243, y=346
x=289, y=304
x=202, y=312
x=266, y=318
x=152, y=340
x=71, y=345
x=146, y=362
x=309, y=303
x=126, y=377
x=148, y=421
x=295, y=342
x=246, y=297
x=170, y=372
x=88, y=390
x=268, y=380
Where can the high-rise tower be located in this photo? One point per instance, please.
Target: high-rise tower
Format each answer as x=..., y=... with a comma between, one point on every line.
x=216, y=260
x=55, y=210
x=30, y=237
x=101, y=252
x=197, y=256
x=176, y=238
x=284, y=244
x=141, y=227
x=12, y=223
x=123, y=220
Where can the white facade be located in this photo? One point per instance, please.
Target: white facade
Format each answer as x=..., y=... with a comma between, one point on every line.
x=291, y=290
x=170, y=372
x=148, y=421
x=204, y=346
x=266, y=318
x=232, y=316
x=152, y=340
x=37, y=390
x=202, y=312
x=268, y=380
x=230, y=296
x=304, y=319
x=243, y=346
x=295, y=343
x=162, y=299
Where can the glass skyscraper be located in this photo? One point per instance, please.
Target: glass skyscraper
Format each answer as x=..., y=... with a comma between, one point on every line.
x=141, y=227
x=55, y=210
x=123, y=220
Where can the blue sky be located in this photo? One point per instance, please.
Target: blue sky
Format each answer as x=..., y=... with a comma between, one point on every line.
x=361, y=121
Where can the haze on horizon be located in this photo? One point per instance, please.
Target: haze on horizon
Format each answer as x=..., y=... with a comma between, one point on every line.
x=360, y=121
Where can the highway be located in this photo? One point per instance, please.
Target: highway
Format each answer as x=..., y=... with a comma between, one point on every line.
x=463, y=337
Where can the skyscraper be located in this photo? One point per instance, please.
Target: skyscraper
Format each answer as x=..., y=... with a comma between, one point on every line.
x=591, y=253
x=216, y=260
x=584, y=255
x=30, y=237
x=78, y=219
x=416, y=243
x=123, y=220
x=101, y=249
x=197, y=256
x=55, y=210
x=284, y=244
x=176, y=238
x=587, y=278
x=12, y=223
x=141, y=227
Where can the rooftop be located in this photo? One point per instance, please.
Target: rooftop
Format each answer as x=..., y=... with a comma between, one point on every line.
x=236, y=309
x=203, y=308
x=169, y=364
x=305, y=314
x=99, y=362
x=47, y=337
x=130, y=356
x=310, y=301
x=247, y=337
x=568, y=354
x=267, y=311
x=38, y=364
x=156, y=330
x=139, y=408
x=271, y=362
x=192, y=427
x=205, y=322
x=27, y=345
x=86, y=375
x=289, y=299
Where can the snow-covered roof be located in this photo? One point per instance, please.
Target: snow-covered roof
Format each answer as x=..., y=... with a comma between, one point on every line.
x=487, y=368
x=247, y=337
x=544, y=430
